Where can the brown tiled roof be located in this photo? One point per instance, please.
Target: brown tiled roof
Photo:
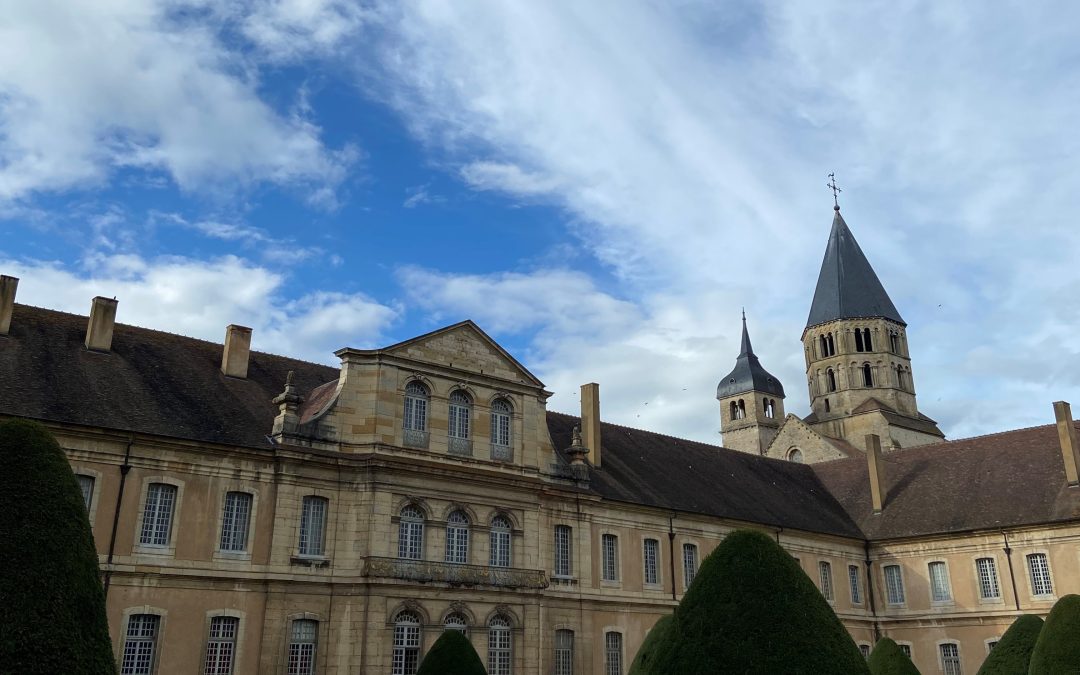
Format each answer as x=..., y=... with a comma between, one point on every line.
x=1001, y=480
x=652, y=469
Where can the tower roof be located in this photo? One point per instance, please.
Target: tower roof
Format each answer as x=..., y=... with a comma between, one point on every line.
x=748, y=374
x=847, y=287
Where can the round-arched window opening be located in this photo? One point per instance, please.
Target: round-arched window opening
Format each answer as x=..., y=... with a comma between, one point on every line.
x=795, y=455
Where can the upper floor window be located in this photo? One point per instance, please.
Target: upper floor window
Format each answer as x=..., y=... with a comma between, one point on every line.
x=313, y=526
x=769, y=407
x=825, y=575
x=406, y=657
x=613, y=653
x=862, y=340
x=894, y=585
x=609, y=544
x=988, y=579
x=651, y=553
x=460, y=414
x=563, y=551
x=416, y=406
x=221, y=646
x=564, y=652
x=456, y=621
x=500, y=429
x=140, y=644
x=157, y=514
x=830, y=379
x=235, y=521
x=86, y=484
x=853, y=583
x=738, y=410
x=499, y=640
x=302, y=641
x=457, y=538
x=1039, y=570
x=950, y=659
x=939, y=583
x=867, y=375
x=894, y=342
x=500, y=541
x=411, y=533
x=900, y=384
x=828, y=346
x=689, y=563
x=906, y=648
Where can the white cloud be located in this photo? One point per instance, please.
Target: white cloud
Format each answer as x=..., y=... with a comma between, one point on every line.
x=271, y=249
x=290, y=29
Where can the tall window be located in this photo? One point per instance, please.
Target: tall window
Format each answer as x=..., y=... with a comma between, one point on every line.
x=866, y=340
x=859, y=341
x=652, y=552
x=867, y=375
x=460, y=414
x=157, y=515
x=500, y=542
x=950, y=659
x=457, y=538
x=500, y=422
x=894, y=585
x=86, y=484
x=411, y=533
x=939, y=583
x=1040, y=574
x=613, y=653
x=499, y=662
x=406, y=657
x=302, y=639
x=235, y=520
x=853, y=583
x=830, y=378
x=828, y=347
x=988, y=579
x=313, y=525
x=564, y=652
x=140, y=643
x=894, y=343
x=416, y=406
x=221, y=646
x=610, y=557
x=563, y=551
x=825, y=574
x=456, y=621
x=689, y=563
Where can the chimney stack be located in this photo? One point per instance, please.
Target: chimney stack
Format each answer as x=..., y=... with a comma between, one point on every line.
x=590, y=419
x=1070, y=452
x=99, y=331
x=8, y=286
x=234, y=360
x=877, y=471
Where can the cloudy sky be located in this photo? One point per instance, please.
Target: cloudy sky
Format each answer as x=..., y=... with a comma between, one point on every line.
x=600, y=185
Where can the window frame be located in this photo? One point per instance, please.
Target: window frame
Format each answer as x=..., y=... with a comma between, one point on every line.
x=501, y=542
x=855, y=585
x=130, y=614
x=501, y=433
x=411, y=532
x=458, y=526
x=233, y=643
x=609, y=558
x=690, y=570
x=889, y=598
x=645, y=568
x=169, y=548
x=959, y=660
x=826, y=581
x=1049, y=595
x=557, y=553
x=613, y=652
x=95, y=496
x=304, y=548
x=294, y=641
x=409, y=626
x=995, y=579
x=563, y=656
x=500, y=634
x=459, y=415
x=245, y=550
x=934, y=589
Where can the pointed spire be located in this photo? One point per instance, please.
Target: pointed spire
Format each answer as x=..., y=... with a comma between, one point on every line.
x=748, y=375
x=747, y=348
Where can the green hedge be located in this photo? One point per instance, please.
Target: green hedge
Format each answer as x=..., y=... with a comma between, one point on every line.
x=887, y=659
x=751, y=610
x=54, y=604
x=1057, y=651
x=660, y=634
x=452, y=654
x=1012, y=653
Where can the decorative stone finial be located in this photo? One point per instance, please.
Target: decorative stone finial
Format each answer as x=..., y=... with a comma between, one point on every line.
x=576, y=452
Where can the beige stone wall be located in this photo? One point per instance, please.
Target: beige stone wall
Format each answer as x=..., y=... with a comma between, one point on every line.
x=754, y=432
x=795, y=434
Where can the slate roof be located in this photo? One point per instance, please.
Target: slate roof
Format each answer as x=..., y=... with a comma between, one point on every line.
x=847, y=287
x=748, y=375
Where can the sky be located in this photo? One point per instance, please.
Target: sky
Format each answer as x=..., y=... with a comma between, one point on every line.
x=602, y=186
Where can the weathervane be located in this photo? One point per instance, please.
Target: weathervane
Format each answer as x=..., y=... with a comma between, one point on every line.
x=835, y=191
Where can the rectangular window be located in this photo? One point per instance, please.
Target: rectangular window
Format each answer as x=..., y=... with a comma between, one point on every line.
x=157, y=515
x=613, y=653
x=610, y=566
x=939, y=583
x=563, y=551
x=988, y=580
x=221, y=646
x=235, y=521
x=457, y=543
x=894, y=585
x=950, y=659
x=865, y=651
x=499, y=641
x=853, y=583
x=313, y=526
x=825, y=574
x=906, y=649
x=86, y=484
x=459, y=421
x=139, y=644
x=302, y=647
x=689, y=563
x=406, y=656
x=1039, y=570
x=652, y=552
x=564, y=652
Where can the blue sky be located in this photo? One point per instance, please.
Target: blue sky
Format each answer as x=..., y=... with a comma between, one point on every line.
x=602, y=186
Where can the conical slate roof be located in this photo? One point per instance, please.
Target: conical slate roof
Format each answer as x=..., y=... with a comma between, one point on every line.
x=847, y=287
x=748, y=374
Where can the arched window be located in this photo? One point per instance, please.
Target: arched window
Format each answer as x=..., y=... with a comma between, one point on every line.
x=894, y=342
x=406, y=656
x=795, y=455
x=901, y=380
x=770, y=407
x=859, y=340
x=500, y=429
x=826, y=405
x=460, y=414
x=221, y=645
x=740, y=409
x=828, y=346
x=302, y=643
x=866, y=340
x=867, y=375
x=456, y=621
x=824, y=347
x=140, y=643
x=499, y=661
x=564, y=652
x=734, y=411
x=500, y=542
x=457, y=538
x=830, y=378
x=416, y=414
x=832, y=346
x=411, y=533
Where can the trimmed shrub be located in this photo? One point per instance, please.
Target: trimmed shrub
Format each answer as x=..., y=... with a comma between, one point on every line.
x=660, y=633
x=751, y=610
x=54, y=603
x=1010, y=656
x=887, y=659
x=452, y=654
x=1057, y=651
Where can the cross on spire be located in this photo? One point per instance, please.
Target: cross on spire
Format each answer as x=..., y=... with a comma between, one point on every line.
x=835, y=191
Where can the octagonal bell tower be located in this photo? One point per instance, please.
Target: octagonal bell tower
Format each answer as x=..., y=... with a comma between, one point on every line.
x=751, y=402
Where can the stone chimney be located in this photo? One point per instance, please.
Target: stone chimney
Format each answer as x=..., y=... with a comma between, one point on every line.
x=99, y=331
x=1070, y=451
x=8, y=286
x=590, y=419
x=234, y=360
x=877, y=471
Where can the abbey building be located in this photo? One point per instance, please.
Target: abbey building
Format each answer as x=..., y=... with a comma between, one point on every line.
x=255, y=513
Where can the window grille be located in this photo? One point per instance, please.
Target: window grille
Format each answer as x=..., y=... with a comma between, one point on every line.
x=302, y=647
x=689, y=564
x=313, y=526
x=140, y=644
x=564, y=652
x=853, y=583
x=894, y=585
x=563, y=551
x=221, y=646
x=499, y=640
x=235, y=521
x=939, y=583
x=456, y=621
x=406, y=656
x=825, y=574
x=500, y=542
x=86, y=484
x=1040, y=574
x=460, y=414
x=950, y=659
x=157, y=516
x=411, y=533
x=457, y=538
x=500, y=423
x=906, y=649
x=610, y=545
x=652, y=552
x=613, y=653
x=416, y=406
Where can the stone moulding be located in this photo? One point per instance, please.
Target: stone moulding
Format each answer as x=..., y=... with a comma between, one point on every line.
x=425, y=571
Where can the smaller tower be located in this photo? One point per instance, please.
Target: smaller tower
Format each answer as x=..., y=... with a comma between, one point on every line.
x=751, y=402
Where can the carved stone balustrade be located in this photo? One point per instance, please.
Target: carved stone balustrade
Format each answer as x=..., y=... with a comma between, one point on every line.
x=425, y=571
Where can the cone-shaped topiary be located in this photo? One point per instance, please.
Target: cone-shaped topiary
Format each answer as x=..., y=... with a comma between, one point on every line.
x=660, y=633
x=452, y=654
x=751, y=610
x=1010, y=656
x=1057, y=651
x=54, y=603
x=887, y=659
